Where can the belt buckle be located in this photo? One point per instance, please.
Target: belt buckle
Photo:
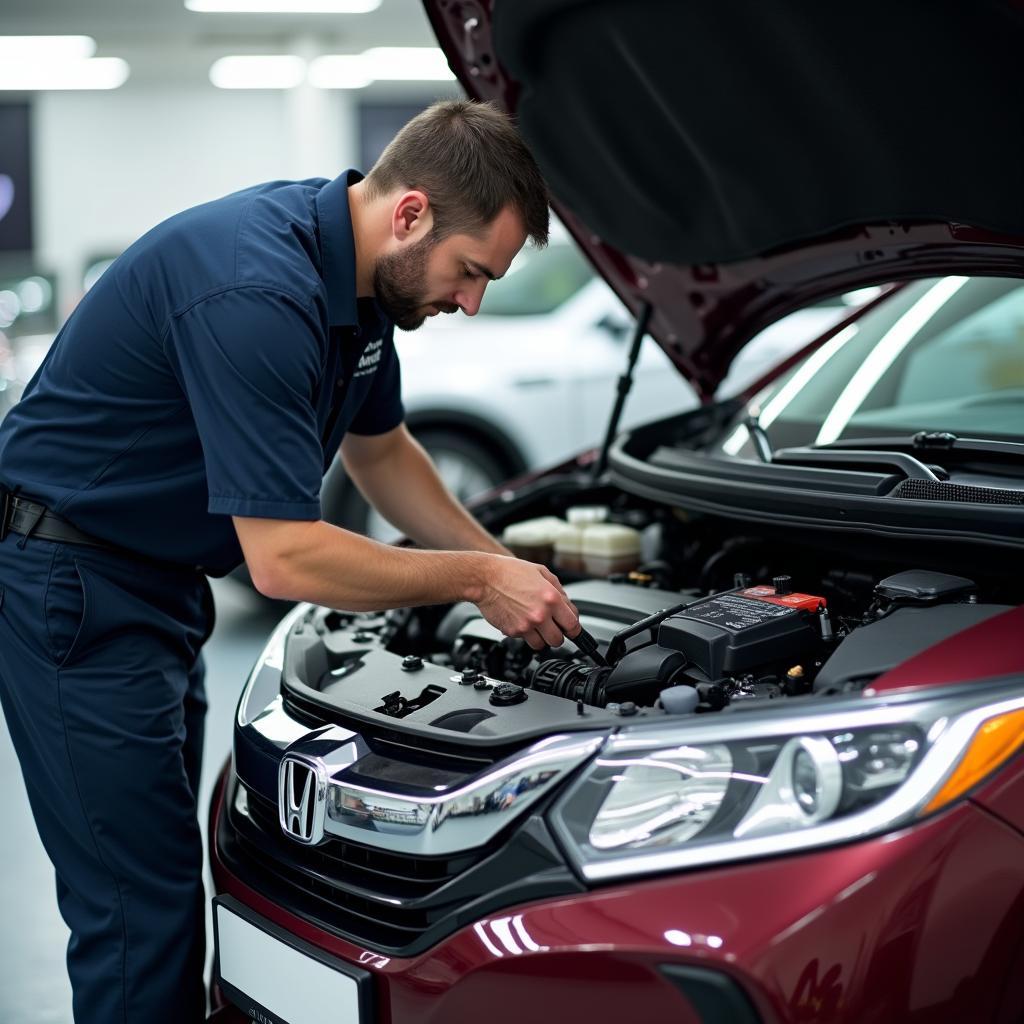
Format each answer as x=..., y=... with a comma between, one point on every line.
x=5, y=510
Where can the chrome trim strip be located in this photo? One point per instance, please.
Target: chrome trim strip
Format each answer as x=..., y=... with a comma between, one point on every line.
x=428, y=821
x=264, y=679
x=464, y=818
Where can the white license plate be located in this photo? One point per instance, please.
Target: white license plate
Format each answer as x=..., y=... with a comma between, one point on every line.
x=276, y=983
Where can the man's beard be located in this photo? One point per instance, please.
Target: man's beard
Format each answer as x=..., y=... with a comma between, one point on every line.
x=399, y=282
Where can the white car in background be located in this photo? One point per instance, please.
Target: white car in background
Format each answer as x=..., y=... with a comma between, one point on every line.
x=531, y=379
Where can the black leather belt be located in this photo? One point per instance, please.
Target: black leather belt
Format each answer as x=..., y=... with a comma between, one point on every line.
x=29, y=518
x=32, y=519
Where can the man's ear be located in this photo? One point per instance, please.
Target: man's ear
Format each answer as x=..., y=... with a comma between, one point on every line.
x=412, y=217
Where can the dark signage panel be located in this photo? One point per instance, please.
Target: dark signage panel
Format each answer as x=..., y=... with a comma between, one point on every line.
x=15, y=178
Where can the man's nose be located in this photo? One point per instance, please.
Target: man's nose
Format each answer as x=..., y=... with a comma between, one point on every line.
x=469, y=299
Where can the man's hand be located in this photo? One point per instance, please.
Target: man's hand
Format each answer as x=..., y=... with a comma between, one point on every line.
x=524, y=599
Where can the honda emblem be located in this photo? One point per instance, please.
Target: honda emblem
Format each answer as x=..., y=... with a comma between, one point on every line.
x=300, y=802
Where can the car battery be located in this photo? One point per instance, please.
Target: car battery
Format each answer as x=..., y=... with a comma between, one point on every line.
x=735, y=632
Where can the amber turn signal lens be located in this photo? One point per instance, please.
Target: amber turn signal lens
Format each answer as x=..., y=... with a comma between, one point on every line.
x=995, y=741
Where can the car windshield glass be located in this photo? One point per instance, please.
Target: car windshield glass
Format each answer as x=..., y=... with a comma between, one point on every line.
x=944, y=354
x=538, y=281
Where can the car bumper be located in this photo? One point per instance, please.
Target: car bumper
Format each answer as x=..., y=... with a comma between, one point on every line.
x=924, y=924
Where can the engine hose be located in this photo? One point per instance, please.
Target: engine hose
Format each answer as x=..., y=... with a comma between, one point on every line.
x=569, y=679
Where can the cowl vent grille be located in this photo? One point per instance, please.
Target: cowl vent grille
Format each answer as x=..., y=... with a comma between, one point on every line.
x=936, y=490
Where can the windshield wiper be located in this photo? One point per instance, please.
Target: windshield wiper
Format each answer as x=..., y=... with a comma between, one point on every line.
x=759, y=439
x=910, y=467
x=929, y=440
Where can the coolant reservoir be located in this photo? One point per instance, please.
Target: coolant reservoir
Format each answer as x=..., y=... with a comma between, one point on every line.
x=610, y=547
x=569, y=548
x=583, y=515
x=534, y=539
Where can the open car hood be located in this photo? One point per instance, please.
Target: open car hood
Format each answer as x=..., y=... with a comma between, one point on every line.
x=731, y=162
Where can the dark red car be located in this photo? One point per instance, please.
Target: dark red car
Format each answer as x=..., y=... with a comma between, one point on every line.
x=787, y=786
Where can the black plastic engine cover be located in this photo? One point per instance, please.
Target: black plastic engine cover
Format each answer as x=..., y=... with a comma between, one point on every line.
x=729, y=634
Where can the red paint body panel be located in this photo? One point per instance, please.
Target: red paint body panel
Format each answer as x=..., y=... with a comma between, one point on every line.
x=1003, y=796
x=988, y=650
x=921, y=925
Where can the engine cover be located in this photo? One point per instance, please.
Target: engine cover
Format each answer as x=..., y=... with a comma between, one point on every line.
x=734, y=632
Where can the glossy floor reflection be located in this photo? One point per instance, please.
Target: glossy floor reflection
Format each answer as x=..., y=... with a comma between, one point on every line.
x=33, y=983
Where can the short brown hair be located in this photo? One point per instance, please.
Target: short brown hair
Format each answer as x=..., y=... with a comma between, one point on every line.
x=470, y=161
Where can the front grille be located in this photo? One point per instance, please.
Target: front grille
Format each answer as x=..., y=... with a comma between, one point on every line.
x=389, y=898
x=388, y=875
x=396, y=903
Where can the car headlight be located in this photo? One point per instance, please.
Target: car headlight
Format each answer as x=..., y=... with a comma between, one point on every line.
x=753, y=784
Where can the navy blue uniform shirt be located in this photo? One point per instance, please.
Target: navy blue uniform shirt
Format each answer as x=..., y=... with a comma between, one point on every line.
x=211, y=371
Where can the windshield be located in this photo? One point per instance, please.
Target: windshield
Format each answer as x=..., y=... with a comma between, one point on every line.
x=941, y=354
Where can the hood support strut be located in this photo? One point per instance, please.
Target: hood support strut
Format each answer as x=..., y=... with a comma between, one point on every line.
x=622, y=390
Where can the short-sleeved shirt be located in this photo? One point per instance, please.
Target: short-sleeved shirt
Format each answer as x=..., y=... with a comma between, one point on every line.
x=211, y=371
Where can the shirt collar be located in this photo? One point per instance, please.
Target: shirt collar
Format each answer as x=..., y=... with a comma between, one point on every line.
x=338, y=249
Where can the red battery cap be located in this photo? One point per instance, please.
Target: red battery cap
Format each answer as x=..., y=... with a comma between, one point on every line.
x=803, y=602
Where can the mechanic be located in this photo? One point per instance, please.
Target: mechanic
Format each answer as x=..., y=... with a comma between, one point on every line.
x=183, y=419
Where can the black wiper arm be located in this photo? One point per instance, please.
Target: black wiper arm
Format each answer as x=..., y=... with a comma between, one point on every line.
x=911, y=468
x=759, y=438
x=930, y=440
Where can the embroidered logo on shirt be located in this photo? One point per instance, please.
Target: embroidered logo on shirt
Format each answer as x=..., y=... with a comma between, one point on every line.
x=370, y=358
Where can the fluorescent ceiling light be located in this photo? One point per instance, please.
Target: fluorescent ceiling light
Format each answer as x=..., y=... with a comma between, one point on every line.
x=45, y=75
x=277, y=72
x=24, y=48
x=282, y=6
x=348, y=71
x=408, y=63
x=380, y=64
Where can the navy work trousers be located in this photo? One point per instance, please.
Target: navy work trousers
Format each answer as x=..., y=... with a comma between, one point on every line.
x=101, y=681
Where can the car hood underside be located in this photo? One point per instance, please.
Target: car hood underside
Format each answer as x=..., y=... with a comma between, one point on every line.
x=728, y=163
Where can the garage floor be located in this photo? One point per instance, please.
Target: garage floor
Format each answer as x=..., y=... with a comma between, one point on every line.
x=33, y=982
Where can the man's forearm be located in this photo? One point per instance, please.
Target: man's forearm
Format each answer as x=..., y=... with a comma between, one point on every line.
x=326, y=565
x=406, y=489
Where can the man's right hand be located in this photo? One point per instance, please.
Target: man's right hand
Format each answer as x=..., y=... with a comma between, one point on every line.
x=524, y=599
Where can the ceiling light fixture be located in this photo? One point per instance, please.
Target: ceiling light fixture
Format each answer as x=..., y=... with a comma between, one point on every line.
x=272, y=72
x=25, y=48
x=380, y=64
x=52, y=74
x=282, y=6
x=408, y=63
x=341, y=71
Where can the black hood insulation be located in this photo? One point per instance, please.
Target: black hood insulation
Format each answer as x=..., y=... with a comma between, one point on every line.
x=694, y=133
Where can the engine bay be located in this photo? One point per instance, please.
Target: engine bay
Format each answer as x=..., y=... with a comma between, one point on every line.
x=743, y=632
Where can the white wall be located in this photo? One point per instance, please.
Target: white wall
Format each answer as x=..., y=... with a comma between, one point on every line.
x=108, y=166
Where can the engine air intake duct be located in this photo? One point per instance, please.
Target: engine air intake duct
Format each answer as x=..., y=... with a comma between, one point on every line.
x=639, y=677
